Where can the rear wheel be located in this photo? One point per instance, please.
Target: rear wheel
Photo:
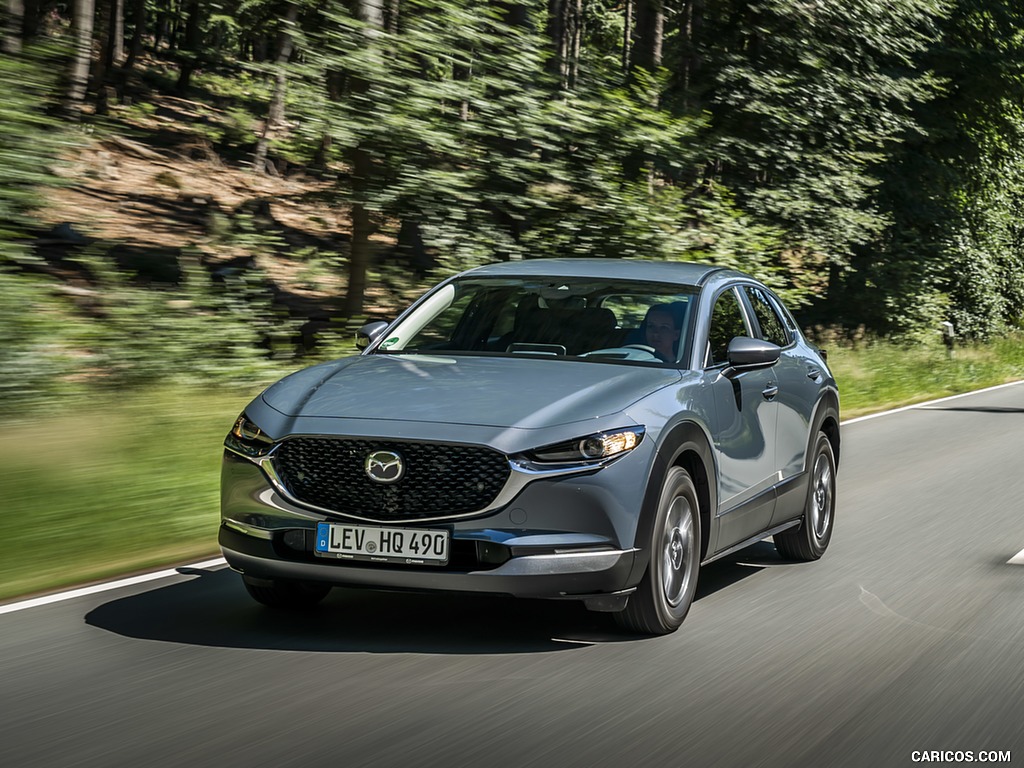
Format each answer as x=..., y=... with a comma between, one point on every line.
x=810, y=540
x=287, y=595
x=666, y=591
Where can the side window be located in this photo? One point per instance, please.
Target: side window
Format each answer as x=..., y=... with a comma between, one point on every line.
x=772, y=327
x=727, y=323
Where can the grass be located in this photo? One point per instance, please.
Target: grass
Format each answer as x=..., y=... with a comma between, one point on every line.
x=123, y=486
x=131, y=484
x=879, y=376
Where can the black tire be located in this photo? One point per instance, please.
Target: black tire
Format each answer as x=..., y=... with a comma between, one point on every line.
x=287, y=595
x=666, y=591
x=810, y=540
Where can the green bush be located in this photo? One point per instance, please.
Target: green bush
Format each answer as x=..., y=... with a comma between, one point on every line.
x=39, y=361
x=193, y=333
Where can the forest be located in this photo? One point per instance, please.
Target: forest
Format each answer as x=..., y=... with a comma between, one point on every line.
x=865, y=159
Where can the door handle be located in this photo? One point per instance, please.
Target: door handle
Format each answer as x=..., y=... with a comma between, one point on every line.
x=813, y=373
x=770, y=391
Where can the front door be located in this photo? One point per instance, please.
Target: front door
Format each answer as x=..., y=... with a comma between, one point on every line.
x=745, y=415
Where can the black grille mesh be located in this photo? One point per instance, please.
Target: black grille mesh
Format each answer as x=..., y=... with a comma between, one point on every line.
x=439, y=480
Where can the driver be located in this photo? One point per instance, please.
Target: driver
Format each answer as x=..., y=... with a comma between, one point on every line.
x=662, y=332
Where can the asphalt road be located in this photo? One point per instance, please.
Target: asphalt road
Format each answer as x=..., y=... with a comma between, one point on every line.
x=907, y=636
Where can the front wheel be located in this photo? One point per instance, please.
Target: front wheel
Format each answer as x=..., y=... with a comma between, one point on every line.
x=666, y=591
x=283, y=594
x=810, y=540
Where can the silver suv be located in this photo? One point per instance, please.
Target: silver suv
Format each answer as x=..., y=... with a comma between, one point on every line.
x=578, y=429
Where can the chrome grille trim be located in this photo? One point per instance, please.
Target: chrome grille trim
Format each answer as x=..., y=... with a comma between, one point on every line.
x=517, y=480
x=519, y=477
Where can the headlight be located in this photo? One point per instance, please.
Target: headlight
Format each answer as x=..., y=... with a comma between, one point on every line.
x=589, y=449
x=248, y=439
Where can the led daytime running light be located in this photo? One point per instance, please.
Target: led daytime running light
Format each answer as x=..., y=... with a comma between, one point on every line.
x=246, y=430
x=602, y=446
x=590, y=448
x=248, y=439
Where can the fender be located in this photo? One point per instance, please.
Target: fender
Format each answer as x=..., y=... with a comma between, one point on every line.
x=682, y=437
x=791, y=498
x=827, y=406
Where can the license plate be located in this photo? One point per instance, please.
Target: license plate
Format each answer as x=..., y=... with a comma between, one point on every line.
x=410, y=546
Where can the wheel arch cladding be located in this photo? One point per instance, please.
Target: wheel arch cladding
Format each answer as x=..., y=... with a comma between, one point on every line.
x=685, y=445
x=826, y=419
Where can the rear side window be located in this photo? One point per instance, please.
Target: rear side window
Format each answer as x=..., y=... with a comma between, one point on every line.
x=727, y=322
x=772, y=327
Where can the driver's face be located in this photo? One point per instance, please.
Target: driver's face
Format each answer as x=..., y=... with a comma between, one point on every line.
x=662, y=334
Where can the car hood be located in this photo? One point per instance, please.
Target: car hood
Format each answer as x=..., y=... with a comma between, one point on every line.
x=499, y=392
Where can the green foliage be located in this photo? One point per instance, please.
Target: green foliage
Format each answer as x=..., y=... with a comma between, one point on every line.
x=30, y=140
x=125, y=335
x=238, y=129
x=807, y=99
x=38, y=357
x=474, y=141
x=196, y=332
x=984, y=234
x=863, y=158
x=955, y=191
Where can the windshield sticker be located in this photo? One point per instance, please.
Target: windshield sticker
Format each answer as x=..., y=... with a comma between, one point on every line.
x=389, y=342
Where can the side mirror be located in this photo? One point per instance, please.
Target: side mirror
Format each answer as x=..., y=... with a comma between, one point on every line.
x=746, y=354
x=370, y=332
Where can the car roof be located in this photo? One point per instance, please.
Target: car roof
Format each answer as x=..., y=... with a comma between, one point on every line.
x=687, y=273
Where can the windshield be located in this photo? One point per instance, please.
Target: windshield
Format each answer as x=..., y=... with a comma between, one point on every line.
x=577, y=318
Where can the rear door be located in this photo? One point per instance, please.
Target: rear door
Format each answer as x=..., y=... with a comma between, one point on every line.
x=799, y=378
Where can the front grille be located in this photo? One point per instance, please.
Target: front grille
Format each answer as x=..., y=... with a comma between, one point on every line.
x=439, y=480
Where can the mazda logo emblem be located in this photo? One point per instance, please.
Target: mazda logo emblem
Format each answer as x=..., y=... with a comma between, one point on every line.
x=385, y=467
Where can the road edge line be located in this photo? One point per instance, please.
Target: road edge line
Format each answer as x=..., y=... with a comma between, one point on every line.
x=931, y=402
x=106, y=586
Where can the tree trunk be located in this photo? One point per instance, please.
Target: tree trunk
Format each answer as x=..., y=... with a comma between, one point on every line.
x=565, y=27
x=259, y=48
x=101, y=35
x=173, y=25
x=113, y=53
x=78, y=73
x=393, y=11
x=362, y=229
x=160, y=31
x=516, y=13
x=647, y=52
x=13, y=27
x=572, y=75
x=135, y=47
x=275, y=113
x=411, y=252
x=193, y=41
x=650, y=31
x=32, y=16
x=556, y=33
x=627, y=37
x=461, y=73
x=692, y=20
x=371, y=13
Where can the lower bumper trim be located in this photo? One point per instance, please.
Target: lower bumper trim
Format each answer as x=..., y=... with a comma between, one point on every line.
x=572, y=575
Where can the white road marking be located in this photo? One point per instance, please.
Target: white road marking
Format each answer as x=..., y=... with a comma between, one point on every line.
x=1017, y=559
x=931, y=402
x=107, y=586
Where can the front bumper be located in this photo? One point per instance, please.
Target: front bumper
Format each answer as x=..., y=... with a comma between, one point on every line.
x=565, y=537
x=577, y=574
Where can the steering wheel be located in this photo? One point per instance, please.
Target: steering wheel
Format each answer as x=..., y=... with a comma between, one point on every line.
x=642, y=347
